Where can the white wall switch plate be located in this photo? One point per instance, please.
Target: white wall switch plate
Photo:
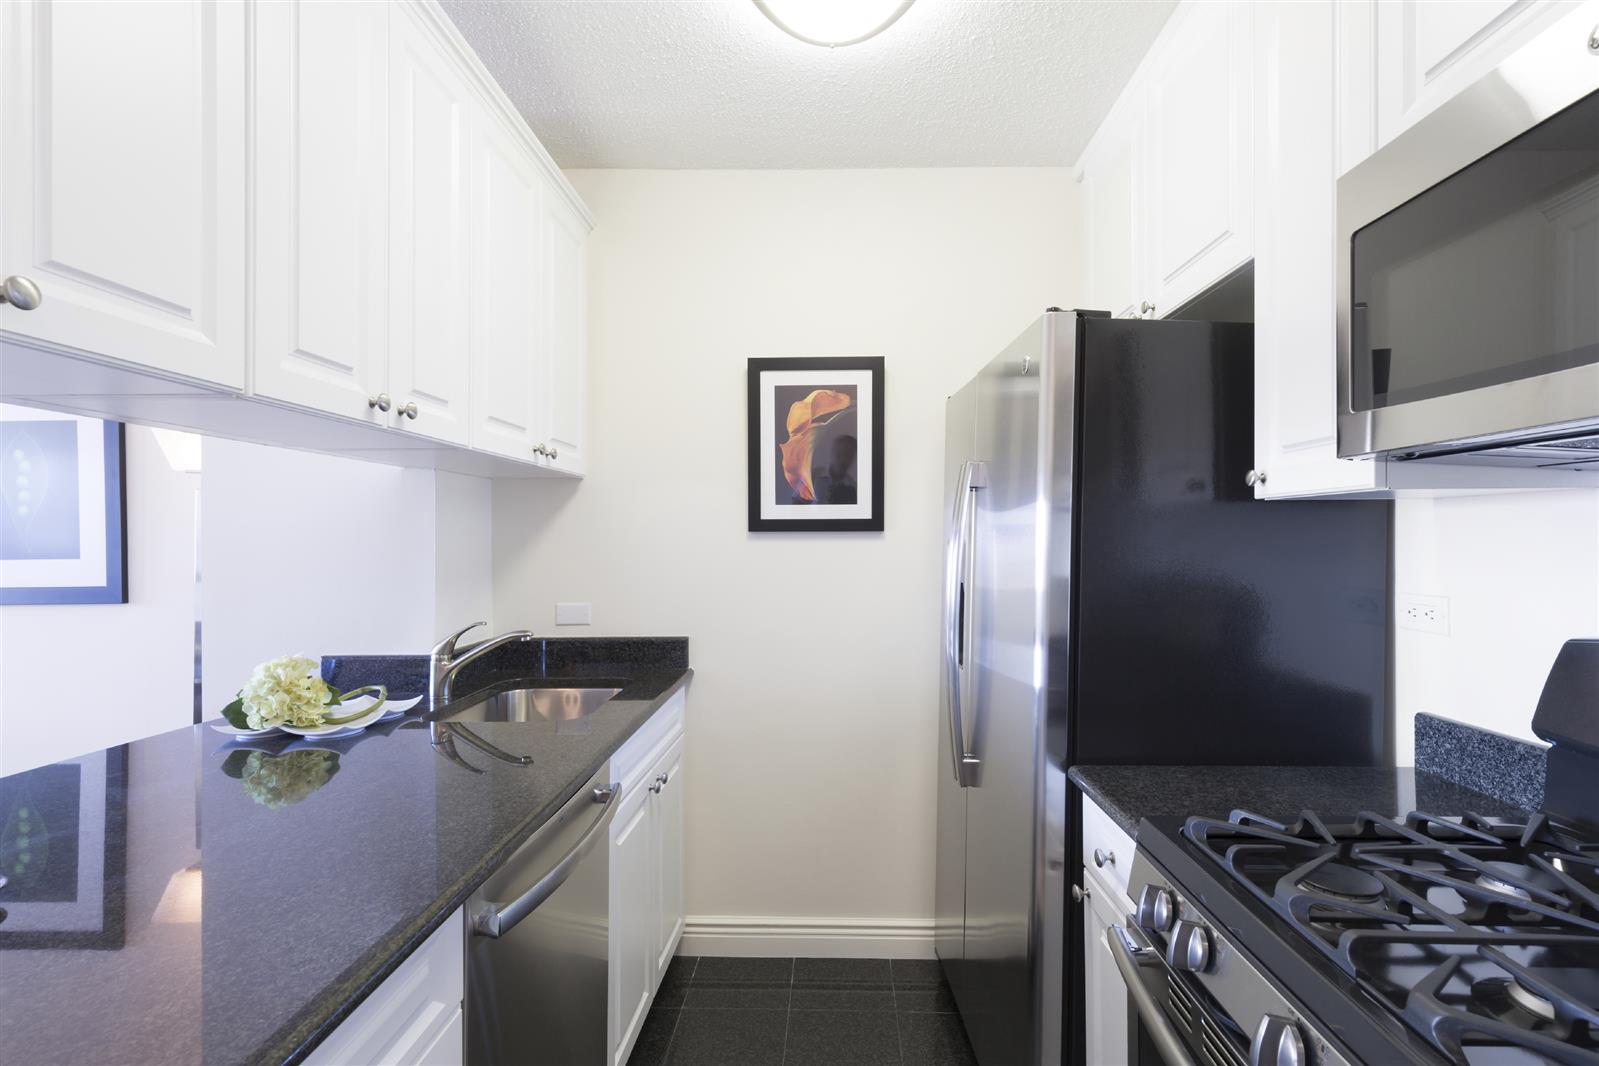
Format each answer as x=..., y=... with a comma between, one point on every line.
x=572, y=614
x=1426, y=614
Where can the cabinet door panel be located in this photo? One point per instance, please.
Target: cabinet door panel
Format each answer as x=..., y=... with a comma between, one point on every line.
x=321, y=190
x=633, y=920
x=668, y=815
x=429, y=308
x=1295, y=339
x=1109, y=196
x=123, y=180
x=508, y=354
x=1198, y=182
x=566, y=237
x=1427, y=51
x=1104, y=992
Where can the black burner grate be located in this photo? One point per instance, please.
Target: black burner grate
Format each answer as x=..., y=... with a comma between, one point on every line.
x=1477, y=932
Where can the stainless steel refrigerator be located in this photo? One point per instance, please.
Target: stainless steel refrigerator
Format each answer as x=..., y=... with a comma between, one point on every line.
x=1114, y=594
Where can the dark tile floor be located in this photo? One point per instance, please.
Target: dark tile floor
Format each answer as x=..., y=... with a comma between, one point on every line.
x=802, y=1012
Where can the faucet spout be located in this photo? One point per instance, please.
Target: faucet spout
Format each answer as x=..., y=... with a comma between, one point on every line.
x=445, y=661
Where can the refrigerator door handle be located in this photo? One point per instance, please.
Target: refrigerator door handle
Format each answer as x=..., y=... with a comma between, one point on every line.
x=958, y=560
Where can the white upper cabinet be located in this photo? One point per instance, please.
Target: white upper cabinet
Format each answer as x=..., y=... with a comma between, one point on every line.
x=565, y=238
x=1295, y=340
x=122, y=183
x=509, y=361
x=430, y=108
x=1110, y=271
x=1426, y=51
x=1198, y=144
x=321, y=219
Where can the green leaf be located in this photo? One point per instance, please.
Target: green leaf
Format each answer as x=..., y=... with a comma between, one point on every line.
x=234, y=713
x=379, y=691
x=234, y=764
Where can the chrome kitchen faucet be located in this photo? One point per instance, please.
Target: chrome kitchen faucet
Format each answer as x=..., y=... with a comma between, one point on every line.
x=444, y=663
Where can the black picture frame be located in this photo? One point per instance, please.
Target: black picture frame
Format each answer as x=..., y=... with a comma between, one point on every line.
x=852, y=427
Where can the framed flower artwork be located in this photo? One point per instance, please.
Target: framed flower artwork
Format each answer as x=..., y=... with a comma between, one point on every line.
x=816, y=444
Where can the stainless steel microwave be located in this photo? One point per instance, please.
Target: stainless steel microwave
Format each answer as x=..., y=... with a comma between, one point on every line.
x=1468, y=270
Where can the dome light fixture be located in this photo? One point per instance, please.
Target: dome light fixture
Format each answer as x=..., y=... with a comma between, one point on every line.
x=833, y=23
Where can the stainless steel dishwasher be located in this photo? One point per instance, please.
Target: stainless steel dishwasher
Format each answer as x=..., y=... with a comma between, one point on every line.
x=537, y=942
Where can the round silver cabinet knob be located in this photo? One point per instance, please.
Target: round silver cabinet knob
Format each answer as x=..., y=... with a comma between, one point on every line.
x=1147, y=308
x=1255, y=477
x=1277, y=1043
x=21, y=292
x=1593, y=40
x=409, y=410
x=1079, y=893
x=1189, y=947
x=555, y=453
x=1157, y=908
x=381, y=401
x=1103, y=859
x=540, y=449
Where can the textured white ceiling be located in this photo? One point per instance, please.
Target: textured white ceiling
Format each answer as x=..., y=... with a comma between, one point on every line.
x=713, y=83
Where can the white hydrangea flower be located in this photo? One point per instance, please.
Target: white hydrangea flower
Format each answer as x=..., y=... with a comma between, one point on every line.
x=286, y=691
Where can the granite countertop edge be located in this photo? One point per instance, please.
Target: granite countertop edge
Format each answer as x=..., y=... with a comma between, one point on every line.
x=1117, y=801
x=309, y=1031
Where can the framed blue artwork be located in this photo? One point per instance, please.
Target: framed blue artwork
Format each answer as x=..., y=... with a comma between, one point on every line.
x=63, y=515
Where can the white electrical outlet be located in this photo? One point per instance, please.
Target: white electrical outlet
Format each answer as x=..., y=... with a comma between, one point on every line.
x=572, y=614
x=1425, y=614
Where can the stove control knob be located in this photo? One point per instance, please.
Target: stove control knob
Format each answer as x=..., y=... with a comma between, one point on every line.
x=1156, y=909
x=1189, y=947
x=1277, y=1043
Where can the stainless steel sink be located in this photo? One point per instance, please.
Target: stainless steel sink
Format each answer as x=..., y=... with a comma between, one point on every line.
x=531, y=704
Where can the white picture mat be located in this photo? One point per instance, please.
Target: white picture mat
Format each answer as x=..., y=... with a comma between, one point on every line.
x=865, y=457
x=86, y=914
x=88, y=570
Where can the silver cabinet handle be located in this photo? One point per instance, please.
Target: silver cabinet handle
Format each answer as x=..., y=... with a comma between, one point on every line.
x=1129, y=956
x=1079, y=893
x=1103, y=859
x=408, y=411
x=660, y=783
x=381, y=401
x=555, y=453
x=1255, y=477
x=957, y=607
x=497, y=919
x=21, y=292
x=1593, y=40
x=540, y=449
x=1147, y=308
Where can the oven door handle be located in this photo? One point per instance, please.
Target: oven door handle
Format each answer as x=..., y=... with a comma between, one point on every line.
x=1129, y=956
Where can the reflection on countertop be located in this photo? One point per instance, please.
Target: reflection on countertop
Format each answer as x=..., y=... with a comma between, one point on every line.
x=189, y=899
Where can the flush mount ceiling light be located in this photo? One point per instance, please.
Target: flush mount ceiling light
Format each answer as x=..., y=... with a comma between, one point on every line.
x=833, y=23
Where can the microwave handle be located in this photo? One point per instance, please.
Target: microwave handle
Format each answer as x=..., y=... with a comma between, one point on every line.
x=1129, y=956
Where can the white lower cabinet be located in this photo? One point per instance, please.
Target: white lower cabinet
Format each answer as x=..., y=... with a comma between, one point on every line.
x=414, y=1017
x=1105, y=1037
x=646, y=852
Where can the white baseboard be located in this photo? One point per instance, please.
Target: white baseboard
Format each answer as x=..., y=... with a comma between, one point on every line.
x=824, y=938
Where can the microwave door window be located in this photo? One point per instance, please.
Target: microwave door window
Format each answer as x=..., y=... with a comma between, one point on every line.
x=1490, y=276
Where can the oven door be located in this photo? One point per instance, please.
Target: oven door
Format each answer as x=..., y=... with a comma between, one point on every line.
x=1468, y=275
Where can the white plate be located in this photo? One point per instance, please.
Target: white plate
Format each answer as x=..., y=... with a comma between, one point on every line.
x=223, y=727
x=352, y=726
x=395, y=708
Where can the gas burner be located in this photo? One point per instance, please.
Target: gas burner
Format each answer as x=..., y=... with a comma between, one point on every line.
x=1342, y=882
x=1518, y=879
x=1530, y=1001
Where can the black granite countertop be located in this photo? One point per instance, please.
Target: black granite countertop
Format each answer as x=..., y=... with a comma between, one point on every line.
x=1129, y=793
x=201, y=903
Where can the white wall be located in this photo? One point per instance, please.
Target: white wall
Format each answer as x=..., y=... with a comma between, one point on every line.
x=77, y=677
x=813, y=713
x=1521, y=571
x=315, y=554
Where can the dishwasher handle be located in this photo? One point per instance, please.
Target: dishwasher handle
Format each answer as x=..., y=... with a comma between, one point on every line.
x=497, y=919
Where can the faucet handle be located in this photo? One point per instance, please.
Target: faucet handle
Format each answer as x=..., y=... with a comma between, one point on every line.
x=446, y=647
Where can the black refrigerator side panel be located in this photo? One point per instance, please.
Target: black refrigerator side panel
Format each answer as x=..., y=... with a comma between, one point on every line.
x=1209, y=627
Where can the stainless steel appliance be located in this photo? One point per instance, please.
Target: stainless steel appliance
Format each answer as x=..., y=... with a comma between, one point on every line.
x=1425, y=939
x=538, y=944
x=1468, y=270
x=1114, y=594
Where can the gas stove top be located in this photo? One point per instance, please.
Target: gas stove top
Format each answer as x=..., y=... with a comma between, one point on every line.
x=1483, y=935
